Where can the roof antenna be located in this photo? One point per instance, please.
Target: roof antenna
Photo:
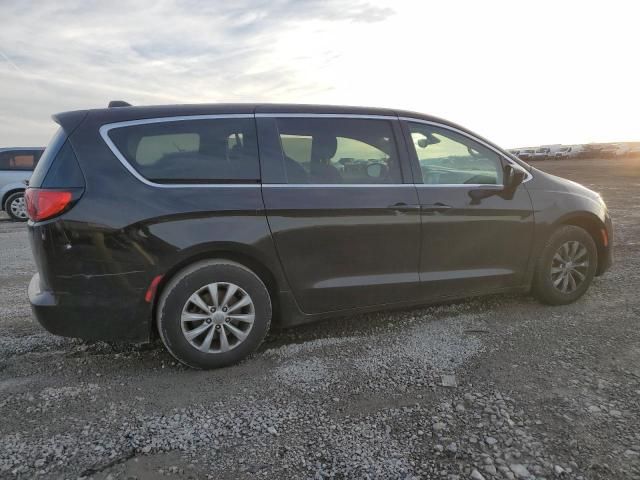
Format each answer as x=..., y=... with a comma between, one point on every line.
x=118, y=103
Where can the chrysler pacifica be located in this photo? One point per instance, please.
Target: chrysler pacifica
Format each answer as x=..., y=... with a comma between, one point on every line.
x=203, y=223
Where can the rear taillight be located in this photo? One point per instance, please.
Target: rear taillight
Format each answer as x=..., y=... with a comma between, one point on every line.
x=43, y=204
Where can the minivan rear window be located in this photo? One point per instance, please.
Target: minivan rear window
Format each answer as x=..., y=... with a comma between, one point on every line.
x=190, y=151
x=53, y=147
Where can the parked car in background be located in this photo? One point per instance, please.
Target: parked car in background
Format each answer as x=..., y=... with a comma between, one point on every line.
x=16, y=165
x=577, y=151
x=204, y=222
x=526, y=154
x=623, y=150
x=541, y=153
x=561, y=152
x=633, y=152
x=612, y=150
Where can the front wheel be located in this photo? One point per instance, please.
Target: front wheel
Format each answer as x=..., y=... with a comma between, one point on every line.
x=213, y=314
x=566, y=266
x=16, y=207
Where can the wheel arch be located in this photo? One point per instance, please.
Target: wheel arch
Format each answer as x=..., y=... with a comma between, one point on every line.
x=10, y=191
x=594, y=226
x=221, y=252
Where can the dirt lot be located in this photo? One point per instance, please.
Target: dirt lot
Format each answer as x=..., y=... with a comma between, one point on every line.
x=542, y=392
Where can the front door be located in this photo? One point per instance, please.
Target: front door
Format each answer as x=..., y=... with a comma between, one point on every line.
x=475, y=239
x=345, y=224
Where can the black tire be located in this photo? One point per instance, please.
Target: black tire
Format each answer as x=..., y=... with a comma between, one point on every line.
x=11, y=199
x=543, y=284
x=178, y=291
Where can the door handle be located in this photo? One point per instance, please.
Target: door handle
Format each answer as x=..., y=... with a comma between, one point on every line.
x=403, y=207
x=436, y=207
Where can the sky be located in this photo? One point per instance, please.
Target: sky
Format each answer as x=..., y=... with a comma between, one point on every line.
x=521, y=73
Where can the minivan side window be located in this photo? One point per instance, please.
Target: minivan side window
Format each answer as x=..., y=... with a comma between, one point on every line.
x=19, y=160
x=191, y=151
x=449, y=158
x=339, y=151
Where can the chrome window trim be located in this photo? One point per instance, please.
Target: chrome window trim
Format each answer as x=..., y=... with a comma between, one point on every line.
x=471, y=137
x=104, y=133
x=490, y=186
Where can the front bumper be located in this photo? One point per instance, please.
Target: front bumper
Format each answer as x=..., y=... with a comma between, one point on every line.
x=607, y=250
x=89, y=317
x=606, y=262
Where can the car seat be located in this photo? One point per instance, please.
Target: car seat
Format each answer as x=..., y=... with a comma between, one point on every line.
x=323, y=149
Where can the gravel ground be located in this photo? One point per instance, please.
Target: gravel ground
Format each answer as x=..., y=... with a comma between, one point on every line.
x=532, y=391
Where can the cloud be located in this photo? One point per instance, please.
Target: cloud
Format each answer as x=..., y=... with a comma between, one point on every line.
x=84, y=53
x=521, y=73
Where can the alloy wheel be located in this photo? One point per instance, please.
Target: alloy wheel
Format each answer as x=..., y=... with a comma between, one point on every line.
x=569, y=266
x=217, y=317
x=19, y=208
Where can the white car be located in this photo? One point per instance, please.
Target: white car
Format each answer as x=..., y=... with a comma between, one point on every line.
x=613, y=150
x=541, y=153
x=16, y=166
x=562, y=152
x=526, y=154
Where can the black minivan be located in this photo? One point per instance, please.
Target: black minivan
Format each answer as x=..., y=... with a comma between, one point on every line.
x=204, y=222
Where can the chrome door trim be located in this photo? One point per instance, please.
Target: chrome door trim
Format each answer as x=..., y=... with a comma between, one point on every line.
x=337, y=185
x=489, y=186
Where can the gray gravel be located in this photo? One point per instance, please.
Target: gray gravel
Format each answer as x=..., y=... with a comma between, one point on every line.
x=494, y=388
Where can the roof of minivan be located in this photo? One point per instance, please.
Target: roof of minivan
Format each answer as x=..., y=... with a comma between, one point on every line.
x=117, y=114
x=101, y=116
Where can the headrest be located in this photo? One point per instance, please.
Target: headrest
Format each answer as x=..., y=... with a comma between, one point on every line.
x=323, y=147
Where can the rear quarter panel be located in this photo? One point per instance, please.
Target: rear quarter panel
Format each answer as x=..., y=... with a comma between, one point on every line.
x=123, y=233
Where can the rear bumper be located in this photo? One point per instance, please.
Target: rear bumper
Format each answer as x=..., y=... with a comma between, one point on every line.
x=88, y=317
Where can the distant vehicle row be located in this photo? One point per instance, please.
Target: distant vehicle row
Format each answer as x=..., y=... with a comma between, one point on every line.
x=559, y=152
x=543, y=153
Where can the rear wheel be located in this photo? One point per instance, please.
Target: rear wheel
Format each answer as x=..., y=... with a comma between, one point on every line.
x=566, y=266
x=16, y=207
x=213, y=314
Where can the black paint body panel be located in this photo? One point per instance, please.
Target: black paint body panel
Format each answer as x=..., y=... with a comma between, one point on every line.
x=322, y=251
x=344, y=247
x=474, y=247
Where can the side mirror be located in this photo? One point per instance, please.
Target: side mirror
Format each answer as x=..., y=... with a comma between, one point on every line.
x=513, y=177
